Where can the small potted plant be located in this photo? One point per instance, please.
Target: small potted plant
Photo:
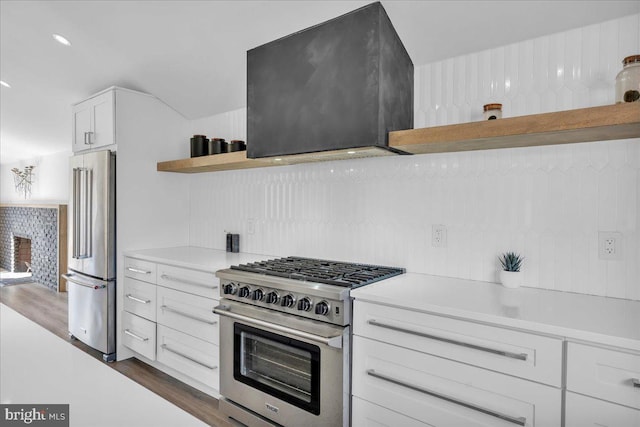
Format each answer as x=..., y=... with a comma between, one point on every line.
x=510, y=275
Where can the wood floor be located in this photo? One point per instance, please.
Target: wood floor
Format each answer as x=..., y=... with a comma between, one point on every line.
x=48, y=309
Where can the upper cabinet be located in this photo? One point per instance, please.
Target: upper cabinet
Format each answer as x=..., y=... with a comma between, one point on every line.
x=94, y=121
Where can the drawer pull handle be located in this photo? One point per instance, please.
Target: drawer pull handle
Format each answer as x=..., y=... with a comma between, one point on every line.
x=188, y=282
x=189, y=315
x=179, y=353
x=635, y=382
x=142, y=301
x=519, y=356
x=138, y=337
x=137, y=270
x=521, y=421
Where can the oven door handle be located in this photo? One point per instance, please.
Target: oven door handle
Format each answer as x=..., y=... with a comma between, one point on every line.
x=335, y=342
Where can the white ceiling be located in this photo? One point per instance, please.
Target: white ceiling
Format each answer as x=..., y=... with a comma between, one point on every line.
x=192, y=54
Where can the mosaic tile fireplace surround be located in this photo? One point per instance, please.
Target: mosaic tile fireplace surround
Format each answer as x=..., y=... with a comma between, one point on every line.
x=37, y=233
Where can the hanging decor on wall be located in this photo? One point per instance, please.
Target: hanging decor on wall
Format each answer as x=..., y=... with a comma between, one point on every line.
x=23, y=180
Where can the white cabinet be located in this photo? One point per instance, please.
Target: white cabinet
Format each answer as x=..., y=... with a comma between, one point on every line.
x=139, y=335
x=523, y=355
x=94, y=122
x=448, y=372
x=168, y=317
x=603, y=386
x=584, y=411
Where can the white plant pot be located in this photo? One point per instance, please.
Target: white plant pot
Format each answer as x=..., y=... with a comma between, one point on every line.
x=511, y=279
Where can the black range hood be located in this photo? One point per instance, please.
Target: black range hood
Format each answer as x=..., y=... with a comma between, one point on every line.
x=340, y=85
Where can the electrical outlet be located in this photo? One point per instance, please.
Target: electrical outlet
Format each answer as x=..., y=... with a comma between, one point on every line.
x=439, y=236
x=251, y=226
x=610, y=245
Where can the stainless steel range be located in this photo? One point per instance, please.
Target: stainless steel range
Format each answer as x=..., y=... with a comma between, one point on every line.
x=285, y=340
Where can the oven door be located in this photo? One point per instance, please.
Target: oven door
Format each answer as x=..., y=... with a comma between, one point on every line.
x=289, y=370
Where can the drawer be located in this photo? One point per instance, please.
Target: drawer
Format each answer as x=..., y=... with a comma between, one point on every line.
x=439, y=392
x=188, y=313
x=583, y=411
x=366, y=414
x=190, y=356
x=521, y=354
x=140, y=270
x=607, y=374
x=140, y=298
x=139, y=335
x=193, y=281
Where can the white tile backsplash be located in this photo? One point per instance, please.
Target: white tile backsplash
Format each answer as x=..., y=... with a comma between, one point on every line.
x=546, y=202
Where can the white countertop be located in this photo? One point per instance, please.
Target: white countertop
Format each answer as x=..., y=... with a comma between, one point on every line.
x=210, y=260
x=597, y=319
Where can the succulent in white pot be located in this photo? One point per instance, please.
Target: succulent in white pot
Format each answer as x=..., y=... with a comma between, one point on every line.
x=510, y=275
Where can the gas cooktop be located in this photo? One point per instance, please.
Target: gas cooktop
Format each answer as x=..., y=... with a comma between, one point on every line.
x=321, y=271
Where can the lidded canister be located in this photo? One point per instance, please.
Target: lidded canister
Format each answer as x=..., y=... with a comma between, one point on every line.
x=628, y=80
x=492, y=111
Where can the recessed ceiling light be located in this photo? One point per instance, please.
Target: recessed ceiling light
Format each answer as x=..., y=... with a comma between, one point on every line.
x=351, y=152
x=5, y=84
x=61, y=40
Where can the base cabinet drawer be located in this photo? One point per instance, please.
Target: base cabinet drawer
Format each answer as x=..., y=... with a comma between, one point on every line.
x=190, y=356
x=442, y=392
x=139, y=335
x=192, y=281
x=604, y=373
x=583, y=411
x=534, y=357
x=140, y=298
x=188, y=313
x=139, y=269
x=366, y=414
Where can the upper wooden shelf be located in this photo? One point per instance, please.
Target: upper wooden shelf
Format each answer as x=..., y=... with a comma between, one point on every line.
x=609, y=122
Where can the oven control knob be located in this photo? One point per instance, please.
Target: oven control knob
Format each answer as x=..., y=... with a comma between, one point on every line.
x=229, y=289
x=322, y=308
x=244, y=292
x=304, y=304
x=258, y=295
x=288, y=301
x=272, y=297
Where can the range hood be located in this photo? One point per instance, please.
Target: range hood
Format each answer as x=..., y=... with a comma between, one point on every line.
x=335, y=89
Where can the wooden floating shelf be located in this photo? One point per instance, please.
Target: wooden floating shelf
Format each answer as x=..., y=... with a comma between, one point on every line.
x=609, y=122
x=239, y=160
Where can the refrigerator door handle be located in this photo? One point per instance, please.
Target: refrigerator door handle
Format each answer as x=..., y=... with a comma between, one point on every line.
x=70, y=278
x=88, y=227
x=76, y=214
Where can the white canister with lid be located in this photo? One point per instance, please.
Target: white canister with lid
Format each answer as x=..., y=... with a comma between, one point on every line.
x=492, y=111
x=628, y=80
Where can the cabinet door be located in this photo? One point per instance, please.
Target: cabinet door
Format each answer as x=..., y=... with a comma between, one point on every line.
x=81, y=125
x=102, y=110
x=442, y=392
x=583, y=411
x=188, y=355
x=533, y=357
x=139, y=335
x=604, y=373
x=188, y=313
x=366, y=414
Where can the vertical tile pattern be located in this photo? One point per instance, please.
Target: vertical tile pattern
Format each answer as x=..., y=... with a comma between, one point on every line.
x=546, y=202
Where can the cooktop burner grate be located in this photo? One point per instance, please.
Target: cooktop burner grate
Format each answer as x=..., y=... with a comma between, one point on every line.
x=321, y=271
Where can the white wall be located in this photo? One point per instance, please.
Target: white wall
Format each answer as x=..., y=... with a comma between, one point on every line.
x=546, y=202
x=51, y=180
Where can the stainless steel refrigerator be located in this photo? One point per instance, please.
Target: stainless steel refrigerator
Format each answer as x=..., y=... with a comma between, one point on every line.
x=91, y=275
